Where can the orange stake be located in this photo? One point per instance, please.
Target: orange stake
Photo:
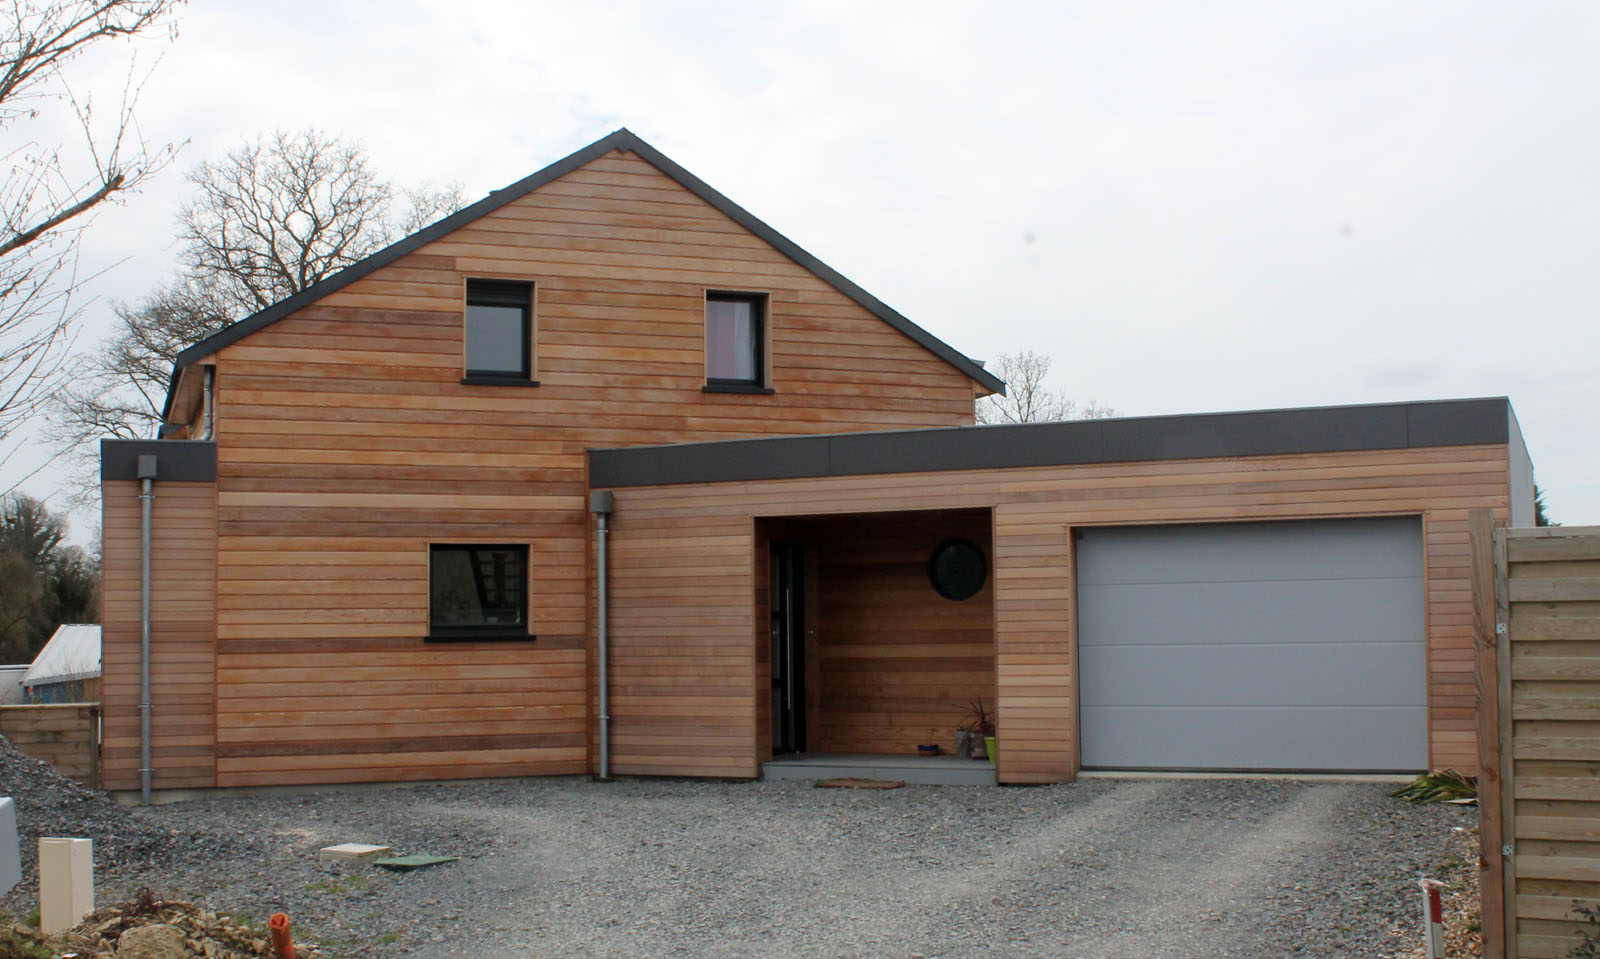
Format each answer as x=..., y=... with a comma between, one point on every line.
x=282, y=942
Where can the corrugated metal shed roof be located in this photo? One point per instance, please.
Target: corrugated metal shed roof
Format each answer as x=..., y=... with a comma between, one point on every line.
x=72, y=653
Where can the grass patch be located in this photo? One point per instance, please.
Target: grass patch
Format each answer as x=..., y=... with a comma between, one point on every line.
x=13, y=946
x=1441, y=785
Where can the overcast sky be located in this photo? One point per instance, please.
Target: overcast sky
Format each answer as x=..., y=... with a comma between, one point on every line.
x=1190, y=207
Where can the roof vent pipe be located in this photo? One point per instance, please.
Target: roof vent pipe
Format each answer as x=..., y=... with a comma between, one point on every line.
x=600, y=503
x=147, y=480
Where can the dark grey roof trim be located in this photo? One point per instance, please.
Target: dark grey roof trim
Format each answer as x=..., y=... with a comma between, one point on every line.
x=623, y=139
x=1327, y=429
x=177, y=461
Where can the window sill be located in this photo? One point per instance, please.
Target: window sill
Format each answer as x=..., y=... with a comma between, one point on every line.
x=484, y=637
x=496, y=381
x=737, y=388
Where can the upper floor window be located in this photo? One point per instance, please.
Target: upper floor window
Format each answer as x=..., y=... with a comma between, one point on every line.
x=736, y=341
x=499, y=331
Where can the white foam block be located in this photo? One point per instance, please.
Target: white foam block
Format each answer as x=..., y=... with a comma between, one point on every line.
x=66, y=883
x=10, y=851
x=352, y=850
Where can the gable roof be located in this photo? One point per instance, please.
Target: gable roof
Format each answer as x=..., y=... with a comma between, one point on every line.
x=622, y=139
x=73, y=652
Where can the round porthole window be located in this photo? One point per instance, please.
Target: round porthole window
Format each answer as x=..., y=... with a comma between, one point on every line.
x=957, y=569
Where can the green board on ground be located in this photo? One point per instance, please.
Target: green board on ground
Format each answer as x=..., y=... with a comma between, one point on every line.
x=406, y=863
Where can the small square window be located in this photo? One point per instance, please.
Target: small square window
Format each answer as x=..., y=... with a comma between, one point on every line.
x=477, y=591
x=499, y=330
x=735, y=340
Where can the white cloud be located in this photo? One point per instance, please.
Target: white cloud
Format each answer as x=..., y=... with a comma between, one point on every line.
x=1231, y=206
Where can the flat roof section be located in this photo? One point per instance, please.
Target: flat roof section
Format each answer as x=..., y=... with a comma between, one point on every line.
x=177, y=461
x=1324, y=429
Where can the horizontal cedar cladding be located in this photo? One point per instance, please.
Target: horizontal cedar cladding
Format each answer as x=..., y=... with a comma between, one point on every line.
x=699, y=627
x=183, y=594
x=347, y=443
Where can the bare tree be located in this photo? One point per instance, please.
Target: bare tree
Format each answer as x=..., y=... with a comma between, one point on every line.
x=1028, y=399
x=123, y=385
x=51, y=190
x=271, y=218
x=279, y=214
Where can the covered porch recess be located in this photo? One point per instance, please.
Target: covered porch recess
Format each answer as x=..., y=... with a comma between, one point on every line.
x=874, y=636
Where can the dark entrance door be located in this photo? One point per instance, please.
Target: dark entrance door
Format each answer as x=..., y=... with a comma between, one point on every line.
x=788, y=648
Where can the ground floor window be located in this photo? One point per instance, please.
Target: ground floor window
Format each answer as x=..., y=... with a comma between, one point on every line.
x=477, y=591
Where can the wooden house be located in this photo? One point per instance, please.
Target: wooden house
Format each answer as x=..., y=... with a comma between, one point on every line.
x=373, y=553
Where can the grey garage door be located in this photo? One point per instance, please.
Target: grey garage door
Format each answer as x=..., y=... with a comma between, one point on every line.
x=1254, y=646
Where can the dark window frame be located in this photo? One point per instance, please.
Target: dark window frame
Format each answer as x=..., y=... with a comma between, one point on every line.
x=503, y=293
x=760, y=317
x=483, y=632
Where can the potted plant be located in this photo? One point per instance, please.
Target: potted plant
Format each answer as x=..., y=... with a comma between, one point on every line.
x=975, y=736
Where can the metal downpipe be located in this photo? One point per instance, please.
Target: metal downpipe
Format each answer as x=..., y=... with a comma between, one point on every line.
x=207, y=392
x=146, y=499
x=600, y=503
x=605, y=690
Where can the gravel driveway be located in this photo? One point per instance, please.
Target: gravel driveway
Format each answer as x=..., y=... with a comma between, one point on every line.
x=557, y=868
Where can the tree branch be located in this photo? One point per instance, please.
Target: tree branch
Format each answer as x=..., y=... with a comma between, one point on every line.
x=88, y=203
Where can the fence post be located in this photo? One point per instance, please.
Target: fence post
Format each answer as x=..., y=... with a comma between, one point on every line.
x=1432, y=917
x=95, y=745
x=1508, y=803
x=1485, y=665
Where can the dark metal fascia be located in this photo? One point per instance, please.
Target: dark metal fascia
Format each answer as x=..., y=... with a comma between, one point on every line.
x=1328, y=429
x=177, y=461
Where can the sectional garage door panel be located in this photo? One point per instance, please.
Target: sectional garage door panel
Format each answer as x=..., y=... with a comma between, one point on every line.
x=1276, y=676
x=1254, y=646
x=1306, y=740
x=1257, y=612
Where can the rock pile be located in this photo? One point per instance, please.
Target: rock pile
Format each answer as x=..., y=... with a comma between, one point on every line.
x=147, y=928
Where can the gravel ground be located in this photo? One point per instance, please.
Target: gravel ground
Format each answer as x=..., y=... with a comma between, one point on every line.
x=1101, y=869
x=1463, y=912
x=49, y=804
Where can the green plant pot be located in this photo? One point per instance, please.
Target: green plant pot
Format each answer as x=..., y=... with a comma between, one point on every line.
x=988, y=747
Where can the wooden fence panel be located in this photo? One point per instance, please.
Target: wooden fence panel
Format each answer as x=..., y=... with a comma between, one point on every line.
x=1547, y=621
x=65, y=735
